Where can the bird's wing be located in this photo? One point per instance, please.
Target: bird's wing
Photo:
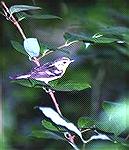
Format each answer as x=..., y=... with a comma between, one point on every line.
x=49, y=72
x=43, y=67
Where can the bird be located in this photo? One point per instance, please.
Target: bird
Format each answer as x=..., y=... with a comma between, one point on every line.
x=48, y=71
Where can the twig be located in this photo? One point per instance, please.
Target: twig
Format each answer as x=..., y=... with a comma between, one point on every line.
x=67, y=44
x=12, y=19
x=7, y=14
x=127, y=137
x=85, y=130
x=51, y=93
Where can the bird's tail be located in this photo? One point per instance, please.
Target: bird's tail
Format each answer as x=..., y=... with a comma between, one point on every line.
x=20, y=77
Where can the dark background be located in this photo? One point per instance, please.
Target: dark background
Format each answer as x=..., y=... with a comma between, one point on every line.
x=109, y=74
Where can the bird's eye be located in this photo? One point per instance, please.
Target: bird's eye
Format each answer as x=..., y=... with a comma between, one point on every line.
x=64, y=62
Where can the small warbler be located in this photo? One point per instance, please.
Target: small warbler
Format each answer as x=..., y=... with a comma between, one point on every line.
x=48, y=71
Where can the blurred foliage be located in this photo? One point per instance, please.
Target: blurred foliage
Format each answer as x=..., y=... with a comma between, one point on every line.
x=104, y=65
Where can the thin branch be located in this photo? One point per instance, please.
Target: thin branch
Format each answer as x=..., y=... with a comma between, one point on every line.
x=67, y=44
x=86, y=130
x=36, y=61
x=12, y=19
x=127, y=137
x=7, y=14
x=51, y=93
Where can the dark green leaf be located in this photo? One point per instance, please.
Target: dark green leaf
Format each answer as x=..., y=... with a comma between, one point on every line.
x=120, y=140
x=70, y=85
x=110, y=127
x=103, y=40
x=17, y=46
x=39, y=16
x=73, y=37
x=46, y=135
x=19, y=8
x=30, y=83
x=23, y=82
x=88, y=39
x=1, y=12
x=48, y=125
x=73, y=80
x=47, y=46
x=117, y=31
x=123, y=50
x=85, y=122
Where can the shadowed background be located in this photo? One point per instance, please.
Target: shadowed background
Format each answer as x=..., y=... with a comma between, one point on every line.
x=109, y=71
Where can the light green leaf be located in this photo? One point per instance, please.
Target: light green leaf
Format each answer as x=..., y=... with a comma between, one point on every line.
x=17, y=46
x=32, y=47
x=48, y=125
x=19, y=8
x=85, y=122
x=117, y=119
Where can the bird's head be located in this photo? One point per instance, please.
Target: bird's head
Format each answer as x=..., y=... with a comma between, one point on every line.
x=62, y=63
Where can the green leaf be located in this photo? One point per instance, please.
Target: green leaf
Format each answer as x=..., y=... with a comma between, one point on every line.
x=69, y=85
x=48, y=125
x=73, y=80
x=73, y=37
x=108, y=106
x=17, y=46
x=123, y=50
x=1, y=12
x=31, y=46
x=88, y=39
x=110, y=127
x=47, y=46
x=19, y=8
x=117, y=119
x=103, y=40
x=46, y=135
x=39, y=16
x=117, y=31
x=30, y=83
x=85, y=122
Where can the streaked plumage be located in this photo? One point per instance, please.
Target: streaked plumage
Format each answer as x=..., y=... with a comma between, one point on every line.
x=48, y=71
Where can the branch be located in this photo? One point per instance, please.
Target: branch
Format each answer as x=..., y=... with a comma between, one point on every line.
x=7, y=14
x=51, y=93
x=12, y=19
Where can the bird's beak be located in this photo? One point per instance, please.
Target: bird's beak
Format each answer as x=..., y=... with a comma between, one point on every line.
x=72, y=60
